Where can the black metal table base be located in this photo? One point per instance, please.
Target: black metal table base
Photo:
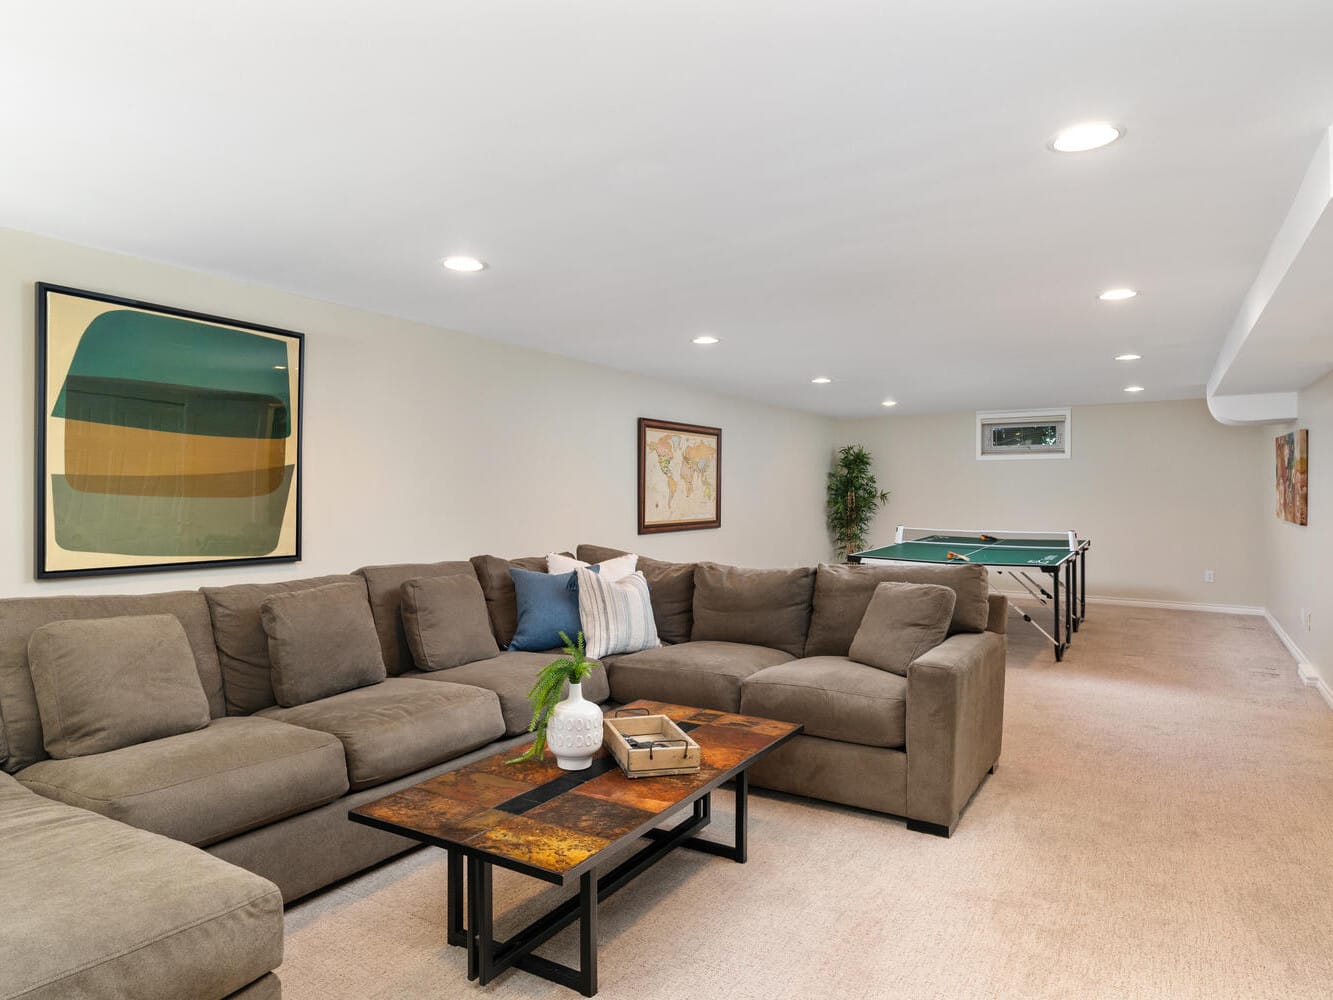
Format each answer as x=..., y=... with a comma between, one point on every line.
x=475, y=930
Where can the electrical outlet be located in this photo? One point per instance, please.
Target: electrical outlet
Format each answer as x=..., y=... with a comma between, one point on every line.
x=1207, y=576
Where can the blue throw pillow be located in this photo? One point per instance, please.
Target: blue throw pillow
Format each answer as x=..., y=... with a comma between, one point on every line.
x=548, y=604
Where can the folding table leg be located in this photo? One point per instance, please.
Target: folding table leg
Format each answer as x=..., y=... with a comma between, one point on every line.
x=1055, y=603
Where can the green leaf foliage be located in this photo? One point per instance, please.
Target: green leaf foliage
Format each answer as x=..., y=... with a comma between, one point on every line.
x=852, y=498
x=550, y=686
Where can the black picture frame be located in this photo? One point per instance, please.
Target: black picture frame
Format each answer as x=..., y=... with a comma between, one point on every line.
x=101, y=432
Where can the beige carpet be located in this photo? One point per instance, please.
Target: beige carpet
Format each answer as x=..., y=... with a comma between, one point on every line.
x=1161, y=825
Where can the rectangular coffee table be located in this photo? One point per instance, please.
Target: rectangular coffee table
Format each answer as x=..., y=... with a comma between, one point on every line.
x=560, y=826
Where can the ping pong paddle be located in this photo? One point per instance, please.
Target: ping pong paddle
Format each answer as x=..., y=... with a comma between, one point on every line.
x=957, y=555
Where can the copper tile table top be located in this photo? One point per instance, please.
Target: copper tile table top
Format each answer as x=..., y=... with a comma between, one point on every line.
x=552, y=824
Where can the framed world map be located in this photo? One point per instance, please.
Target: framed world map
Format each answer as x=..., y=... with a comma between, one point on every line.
x=680, y=476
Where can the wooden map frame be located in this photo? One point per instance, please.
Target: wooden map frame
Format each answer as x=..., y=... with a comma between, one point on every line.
x=711, y=437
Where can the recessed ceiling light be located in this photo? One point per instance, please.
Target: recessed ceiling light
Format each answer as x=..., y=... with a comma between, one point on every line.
x=1133, y=388
x=821, y=380
x=1085, y=136
x=889, y=402
x=464, y=264
x=1129, y=357
x=1117, y=294
x=705, y=339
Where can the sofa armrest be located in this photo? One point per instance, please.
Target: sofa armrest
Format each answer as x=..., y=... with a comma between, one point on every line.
x=955, y=718
x=998, y=619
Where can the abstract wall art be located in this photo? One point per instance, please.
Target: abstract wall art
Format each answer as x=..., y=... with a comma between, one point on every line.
x=680, y=476
x=165, y=439
x=1293, y=477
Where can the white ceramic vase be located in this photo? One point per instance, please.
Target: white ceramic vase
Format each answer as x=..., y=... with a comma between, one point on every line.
x=574, y=730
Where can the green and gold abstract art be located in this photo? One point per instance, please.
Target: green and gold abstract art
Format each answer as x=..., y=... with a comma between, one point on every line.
x=164, y=438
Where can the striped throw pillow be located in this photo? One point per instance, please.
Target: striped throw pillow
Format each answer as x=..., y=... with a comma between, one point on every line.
x=616, y=615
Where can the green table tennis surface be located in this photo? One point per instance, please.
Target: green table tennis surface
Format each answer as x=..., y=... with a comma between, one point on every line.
x=1000, y=552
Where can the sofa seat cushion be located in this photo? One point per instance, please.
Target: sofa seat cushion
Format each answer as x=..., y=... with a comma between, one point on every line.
x=95, y=908
x=400, y=725
x=205, y=786
x=511, y=676
x=834, y=697
x=704, y=674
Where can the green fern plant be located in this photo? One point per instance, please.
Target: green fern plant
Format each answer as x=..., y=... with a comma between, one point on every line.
x=545, y=694
x=853, y=496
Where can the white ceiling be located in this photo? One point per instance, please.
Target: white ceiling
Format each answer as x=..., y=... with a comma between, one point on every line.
x=852, y=189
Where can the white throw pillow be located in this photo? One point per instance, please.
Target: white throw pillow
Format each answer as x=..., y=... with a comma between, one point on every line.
x=613, y=569
x=616, y=615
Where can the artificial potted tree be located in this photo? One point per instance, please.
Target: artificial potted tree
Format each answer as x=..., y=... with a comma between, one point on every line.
x=853, y=497
x=572, y=727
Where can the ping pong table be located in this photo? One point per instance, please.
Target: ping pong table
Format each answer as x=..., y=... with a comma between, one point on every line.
x=1061, y=556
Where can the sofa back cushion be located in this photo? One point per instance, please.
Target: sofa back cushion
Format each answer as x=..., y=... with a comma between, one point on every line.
x=762, y=607
x=107, y=683
x=842, y=594
x=321, y=642
x=903, y=621
x=496, y=584
x=384, y=584
x=242, y=643
x=670, y=587
x=446, y=623
x=20, y=616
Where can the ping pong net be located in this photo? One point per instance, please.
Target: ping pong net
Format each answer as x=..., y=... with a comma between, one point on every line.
x=971, y=540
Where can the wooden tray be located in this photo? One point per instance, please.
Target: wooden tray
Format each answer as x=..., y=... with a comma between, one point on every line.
x=665, y=747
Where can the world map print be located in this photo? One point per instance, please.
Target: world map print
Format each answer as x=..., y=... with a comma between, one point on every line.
x=680, y=477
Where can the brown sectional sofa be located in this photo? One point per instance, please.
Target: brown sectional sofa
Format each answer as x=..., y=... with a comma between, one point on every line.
x=775, y=642
x=151, y=905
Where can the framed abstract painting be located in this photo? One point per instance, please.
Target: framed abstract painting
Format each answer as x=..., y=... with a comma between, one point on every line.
x=166, y=439
x=680, y=476
x=1293, y=477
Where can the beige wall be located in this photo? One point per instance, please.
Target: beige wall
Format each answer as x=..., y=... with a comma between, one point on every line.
x=1163, y=491
x=1299, y=570
x=422, y=443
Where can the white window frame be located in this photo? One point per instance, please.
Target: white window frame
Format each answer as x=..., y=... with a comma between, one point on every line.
x=988, y=417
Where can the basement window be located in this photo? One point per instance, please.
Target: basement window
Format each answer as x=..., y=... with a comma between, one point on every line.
x=1023, y=434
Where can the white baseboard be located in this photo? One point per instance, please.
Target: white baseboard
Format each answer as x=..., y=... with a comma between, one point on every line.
x=1134, y=602
x=1216, y=609
x=1313, y=680
x=1304, y=668
x=1302, y=661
